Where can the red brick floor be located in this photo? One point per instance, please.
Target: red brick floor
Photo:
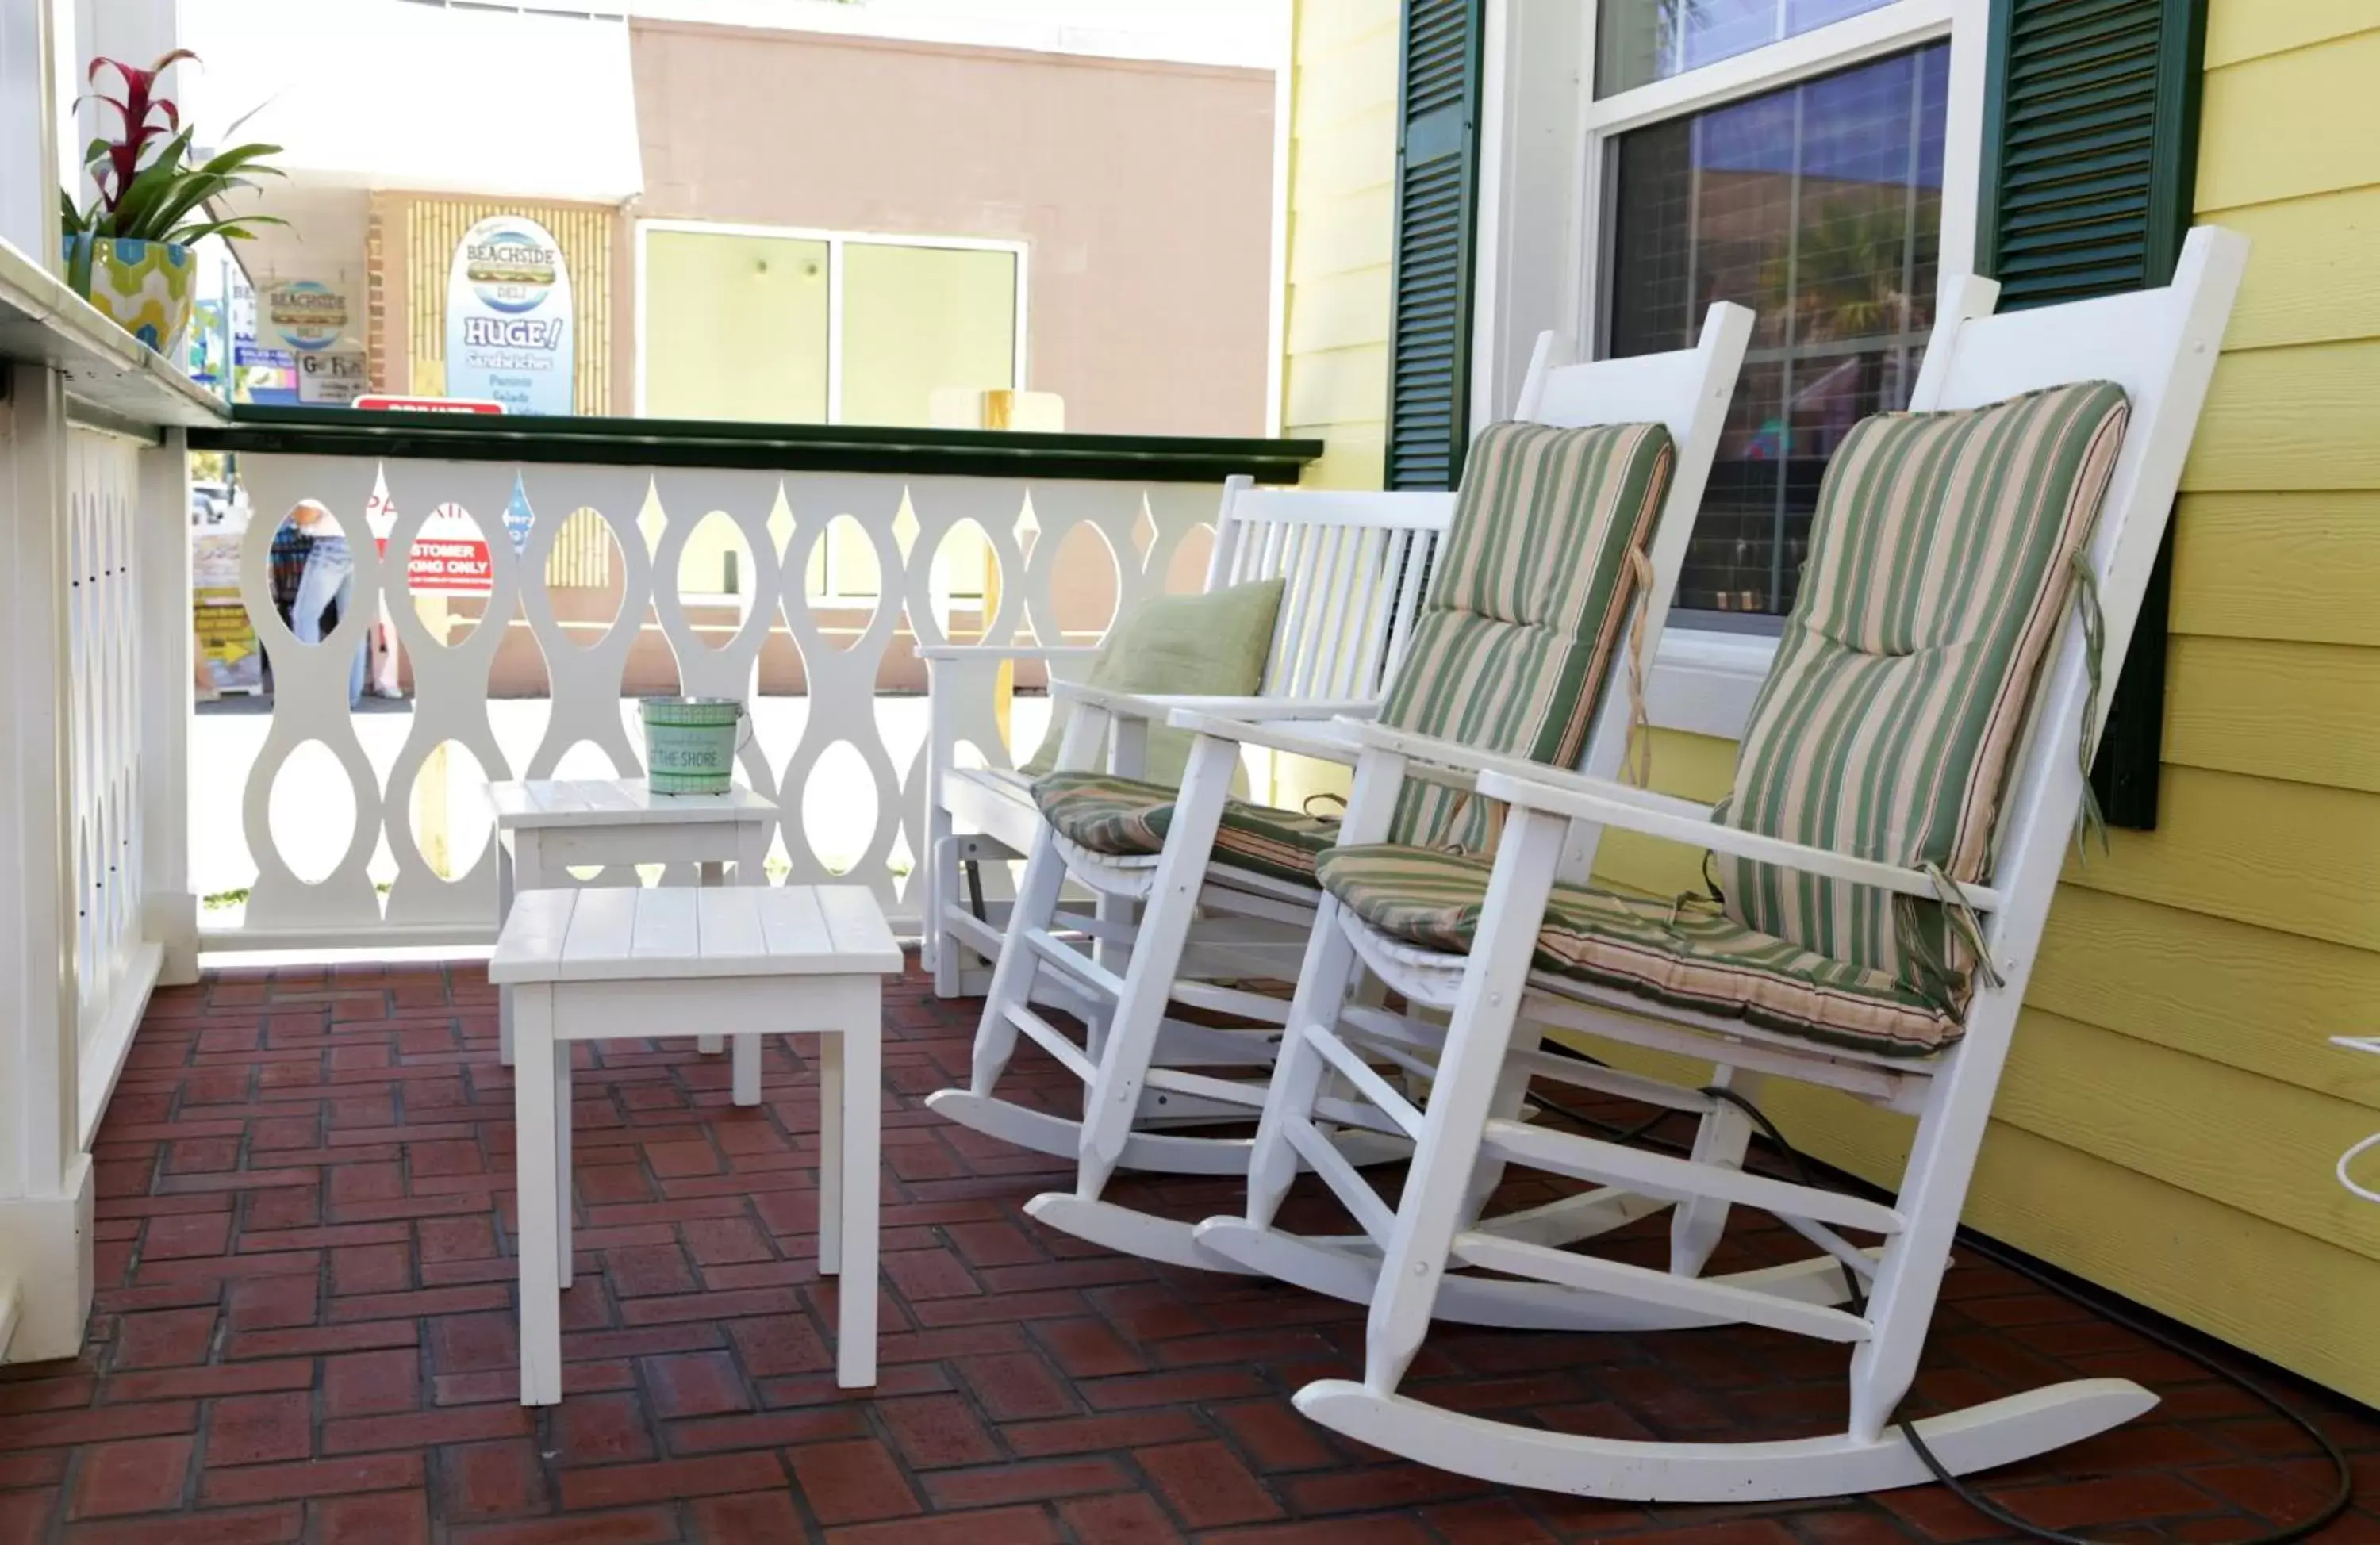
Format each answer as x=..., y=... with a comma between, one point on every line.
x=305, y=1331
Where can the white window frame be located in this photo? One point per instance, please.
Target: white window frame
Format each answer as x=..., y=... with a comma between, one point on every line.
x=835, y=242
x=1539, y=258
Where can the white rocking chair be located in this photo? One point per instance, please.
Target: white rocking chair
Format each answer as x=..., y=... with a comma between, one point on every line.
x=1350, y=564
x=1496, y=948
x=1138, y=1064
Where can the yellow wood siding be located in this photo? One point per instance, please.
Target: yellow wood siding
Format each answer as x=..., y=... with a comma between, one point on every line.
x=1342, y=153
x=2173, y=1107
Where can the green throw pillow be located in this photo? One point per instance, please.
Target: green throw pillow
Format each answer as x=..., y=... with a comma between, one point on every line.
x=1207, y=646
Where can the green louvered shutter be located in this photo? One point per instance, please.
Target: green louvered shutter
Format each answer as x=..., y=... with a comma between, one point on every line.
x=2090, y=158
x=1430, y=322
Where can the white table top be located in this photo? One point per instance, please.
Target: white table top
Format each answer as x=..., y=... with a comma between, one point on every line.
x=608, y=802
x=612, y=934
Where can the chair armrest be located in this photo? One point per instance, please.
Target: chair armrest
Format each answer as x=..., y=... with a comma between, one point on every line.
x=1155, y=707
x=1428, y=748
x=963, y=652
x=1593, y=799
x=1326, y=741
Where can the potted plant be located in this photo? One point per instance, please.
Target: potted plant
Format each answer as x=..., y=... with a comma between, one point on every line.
x=129, y=253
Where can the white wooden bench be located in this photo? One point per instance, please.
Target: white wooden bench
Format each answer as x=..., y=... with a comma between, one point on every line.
x=631, y=964
x=1355, y=562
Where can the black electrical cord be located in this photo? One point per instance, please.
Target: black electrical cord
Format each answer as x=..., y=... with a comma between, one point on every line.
x=2339, y=1500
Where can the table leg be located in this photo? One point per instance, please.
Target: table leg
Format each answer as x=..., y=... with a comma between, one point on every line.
x=534, y=1159
x=562, y=1159
x=503, y=910
x=710, y=874
x=747, y=1071
x=854, y=1352
x=524, y=869
x=830, y=1201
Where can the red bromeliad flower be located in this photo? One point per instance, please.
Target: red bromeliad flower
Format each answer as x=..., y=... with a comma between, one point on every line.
x=136, y=107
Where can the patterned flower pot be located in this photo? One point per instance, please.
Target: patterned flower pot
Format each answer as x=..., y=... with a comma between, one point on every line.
x=141, y=286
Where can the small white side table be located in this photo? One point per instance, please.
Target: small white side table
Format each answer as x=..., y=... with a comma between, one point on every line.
x=615, y=963
x=545, y=828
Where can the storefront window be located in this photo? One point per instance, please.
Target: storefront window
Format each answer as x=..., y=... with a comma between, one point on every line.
x=1819, y=207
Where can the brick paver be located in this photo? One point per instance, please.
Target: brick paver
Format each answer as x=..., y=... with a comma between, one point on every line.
x=304, y=1332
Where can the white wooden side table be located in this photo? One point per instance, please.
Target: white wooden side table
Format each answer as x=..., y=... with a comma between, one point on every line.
x=545, y=828
x=614, y=963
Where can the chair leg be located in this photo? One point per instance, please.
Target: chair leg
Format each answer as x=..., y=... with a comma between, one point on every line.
x=1297, y=1074
x=1725, y=1132
x=1472, y=1071
x=942, y=952
x=1113, y=1099
x=1012, y=976
x=1933, y=1191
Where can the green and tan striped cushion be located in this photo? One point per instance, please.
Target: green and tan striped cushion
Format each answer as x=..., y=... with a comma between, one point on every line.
x=1688, y=957
x=1527, y=606
x=1125, y=817
x=1940, y=571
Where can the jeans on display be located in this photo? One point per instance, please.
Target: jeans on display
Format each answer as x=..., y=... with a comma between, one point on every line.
x=329, y=577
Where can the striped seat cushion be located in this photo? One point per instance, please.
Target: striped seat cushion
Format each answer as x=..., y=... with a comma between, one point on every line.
x=1684, y=957
x=1125, y=817
x=1527, y=606
x=1941, y=568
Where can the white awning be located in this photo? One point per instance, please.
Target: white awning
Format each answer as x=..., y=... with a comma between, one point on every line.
x=398, y=95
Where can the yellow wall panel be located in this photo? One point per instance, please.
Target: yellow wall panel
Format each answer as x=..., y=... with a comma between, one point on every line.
x=1357, y=77
x=2287, y=124
x=1347, y=157
x=1337, y=386
x=2292, y=418
x=1348, y=235
x=2309, y=712
x=1323, y=24
x=2300, y=566
x=2255, y=999
x=2292, y=856
x=2314, y=274
x=1337, y=311
x=2238, y=29
x=2154, y=1110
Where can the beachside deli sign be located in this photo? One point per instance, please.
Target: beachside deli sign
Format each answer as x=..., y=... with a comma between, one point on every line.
x=508, y=331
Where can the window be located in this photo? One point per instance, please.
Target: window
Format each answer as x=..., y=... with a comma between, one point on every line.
x=1644, y=41
x=1817, y=204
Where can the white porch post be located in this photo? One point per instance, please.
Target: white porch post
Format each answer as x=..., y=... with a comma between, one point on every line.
x=45, y=1187
x=28, y=130
x=169, y=909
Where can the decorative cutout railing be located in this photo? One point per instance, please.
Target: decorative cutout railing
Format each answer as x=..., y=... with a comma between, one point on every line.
x=783, y=517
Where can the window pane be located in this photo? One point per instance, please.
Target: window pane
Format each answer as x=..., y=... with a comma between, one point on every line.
x=1819, y=207
x=1643, y=41
x=734, y=327
x=919, y=318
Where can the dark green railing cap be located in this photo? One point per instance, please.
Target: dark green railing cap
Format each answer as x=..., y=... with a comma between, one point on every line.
x=763, y=447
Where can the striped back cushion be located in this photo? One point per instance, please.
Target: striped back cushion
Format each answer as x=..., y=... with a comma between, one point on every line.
x=1527, y=605
x=1940, y=571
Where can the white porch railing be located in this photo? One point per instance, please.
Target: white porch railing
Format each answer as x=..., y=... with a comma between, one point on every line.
x=783, y=517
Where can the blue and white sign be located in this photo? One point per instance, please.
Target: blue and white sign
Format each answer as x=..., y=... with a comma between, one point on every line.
x=518, y=516
x=508, y=318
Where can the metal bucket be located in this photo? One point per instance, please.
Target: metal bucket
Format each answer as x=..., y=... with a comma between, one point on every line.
x=691, y=742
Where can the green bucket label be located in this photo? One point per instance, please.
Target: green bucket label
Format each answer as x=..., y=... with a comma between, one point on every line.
x=691, y=743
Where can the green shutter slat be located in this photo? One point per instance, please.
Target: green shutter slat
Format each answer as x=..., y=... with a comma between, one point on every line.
x=2090, y=151
x=1429, y=405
